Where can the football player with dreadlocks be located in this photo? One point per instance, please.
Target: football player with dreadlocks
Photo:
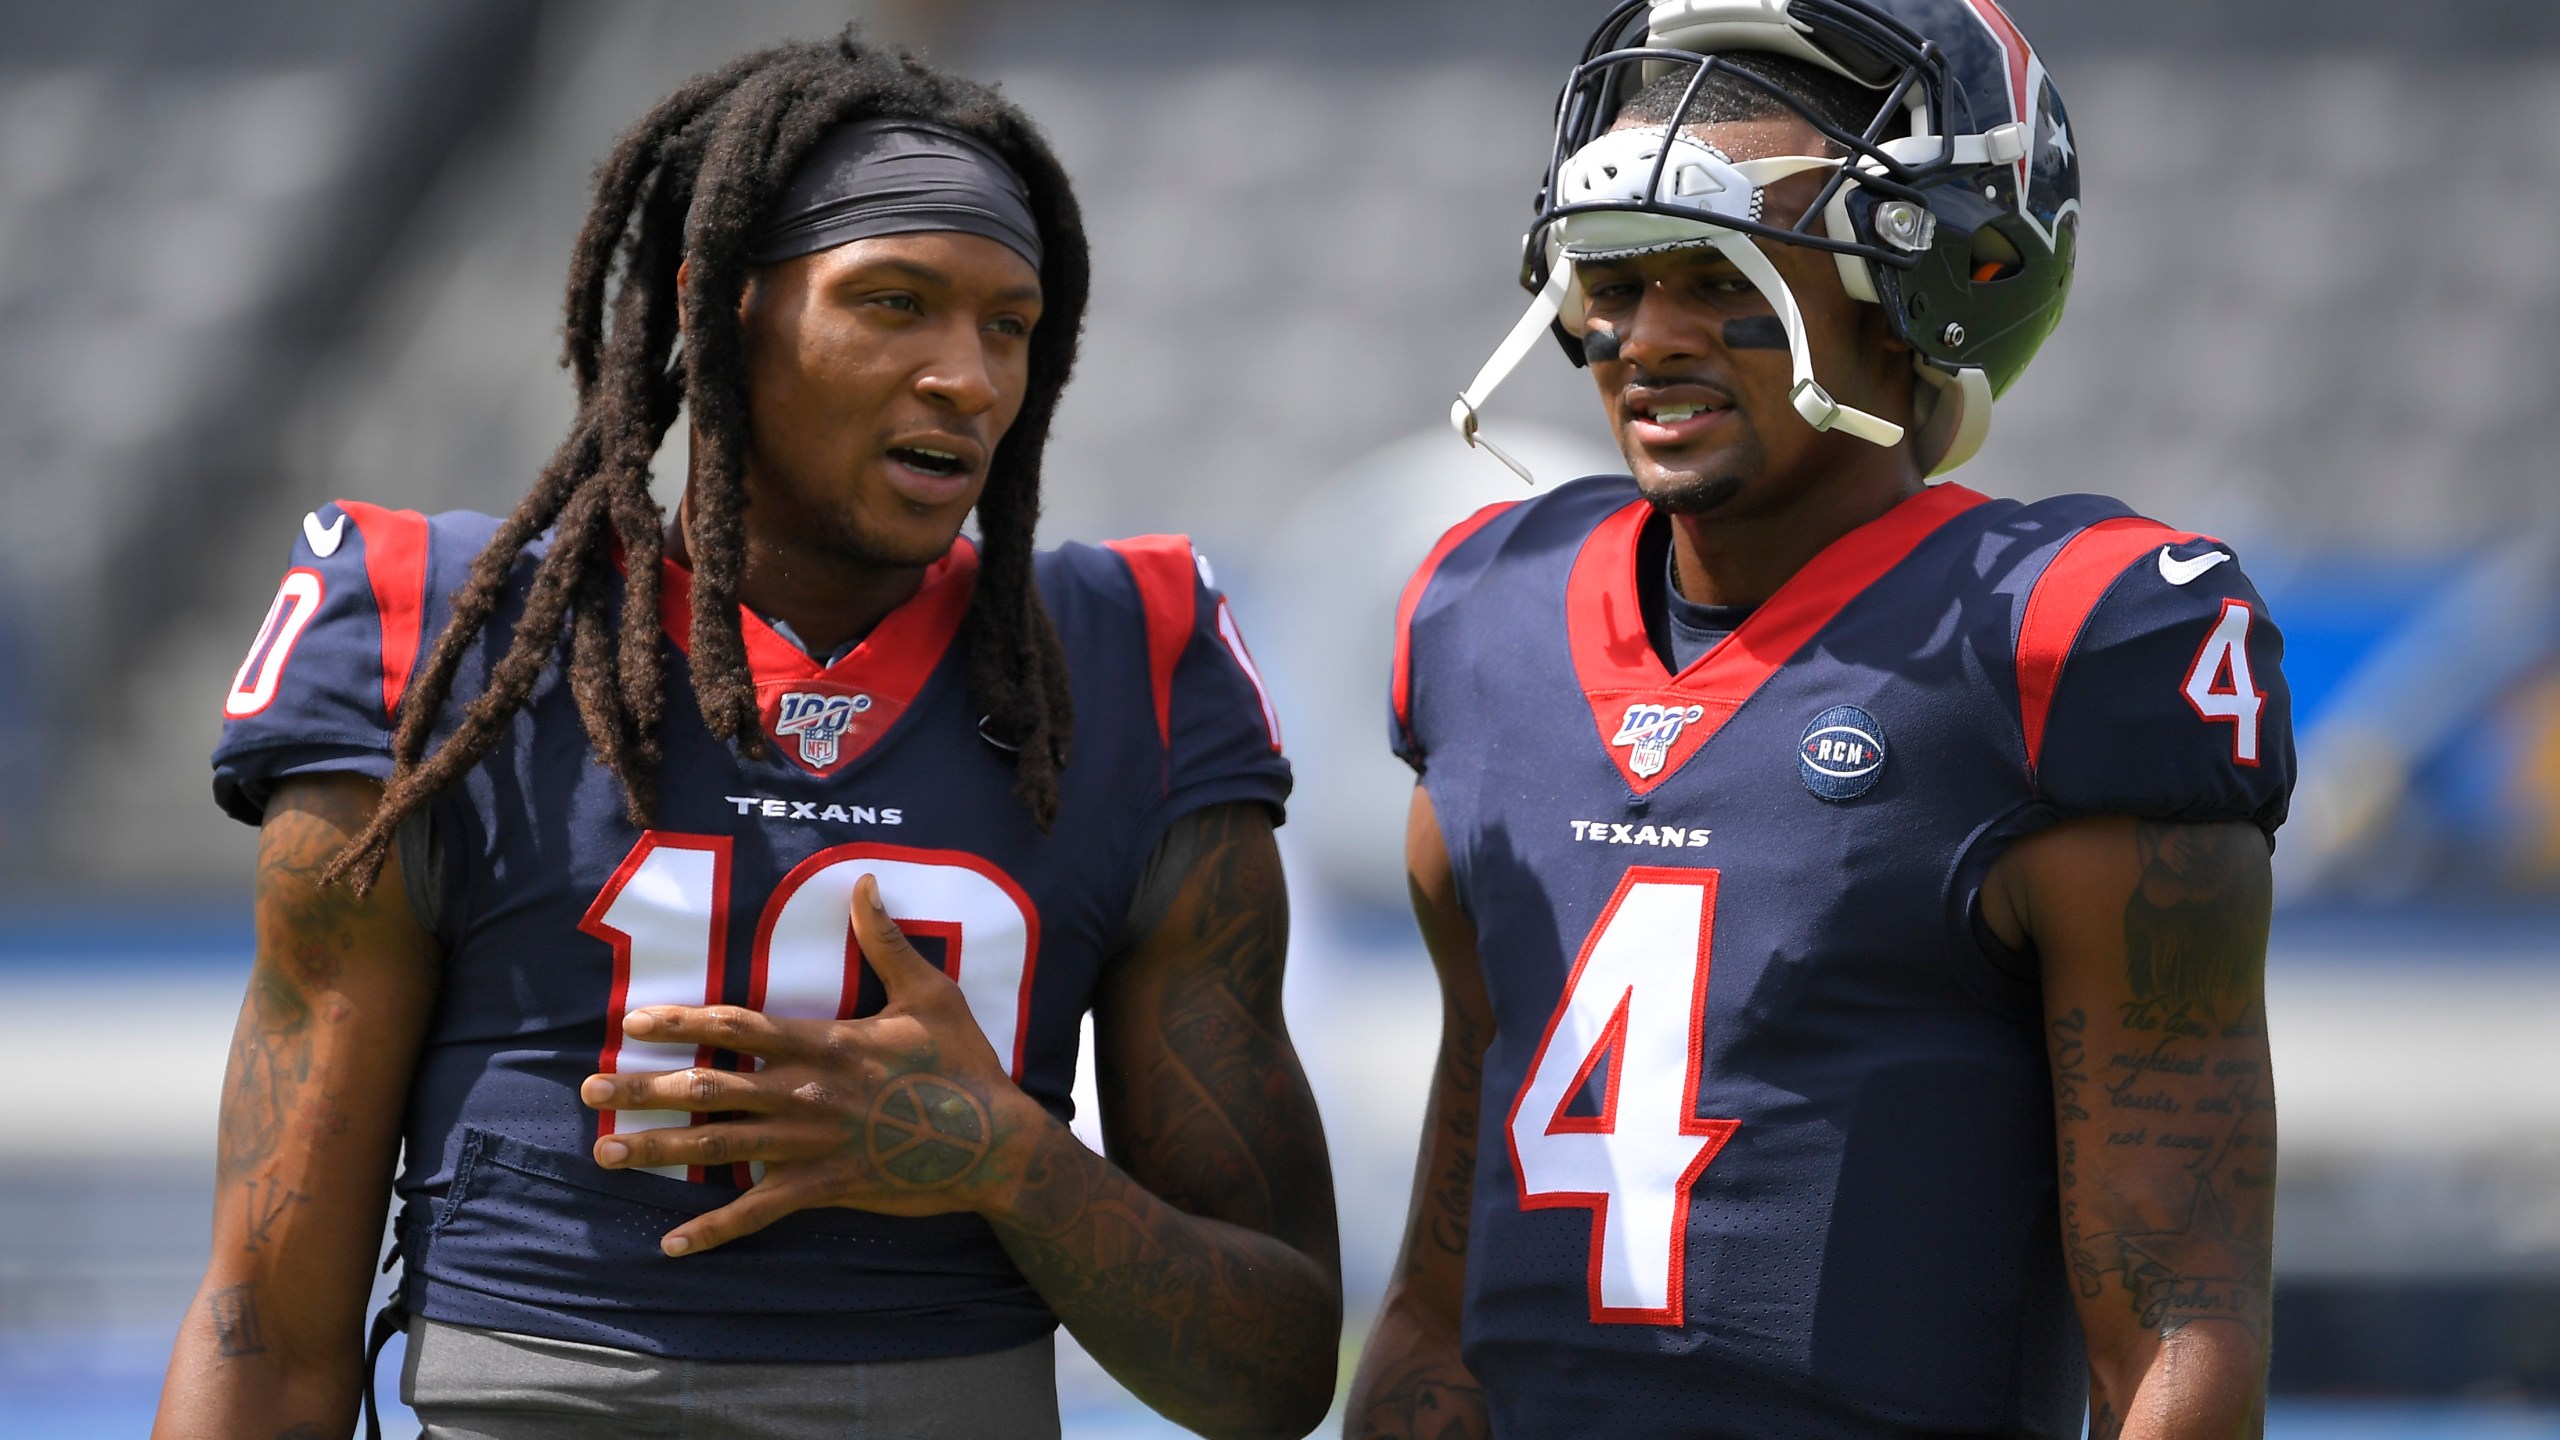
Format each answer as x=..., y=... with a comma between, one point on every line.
x=705, y=910
x=1849, y=892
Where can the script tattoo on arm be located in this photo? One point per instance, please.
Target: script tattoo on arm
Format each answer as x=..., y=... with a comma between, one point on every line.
x=1202, y=1268
x=1412, y=1387
x=2164, y=1106
x=1449, y=1191
x=1412, y=1383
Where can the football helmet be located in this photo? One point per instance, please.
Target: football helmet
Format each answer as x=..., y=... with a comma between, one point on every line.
x=1955, y=209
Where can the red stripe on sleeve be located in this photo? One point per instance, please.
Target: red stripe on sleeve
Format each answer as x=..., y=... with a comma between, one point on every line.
x=1166, y=574
x=2059, y=605
x=395, y=563
x=1411, y=601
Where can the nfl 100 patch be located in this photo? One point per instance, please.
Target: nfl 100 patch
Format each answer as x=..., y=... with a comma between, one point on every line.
x=1649, y=731
x=818, y=720
x=1842, y=753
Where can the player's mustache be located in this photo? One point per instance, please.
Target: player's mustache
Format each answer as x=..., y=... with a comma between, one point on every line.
x=1643, y=384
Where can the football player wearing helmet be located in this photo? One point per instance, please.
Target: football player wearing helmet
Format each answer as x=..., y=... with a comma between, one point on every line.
x=1849, y=891
x=703, y=911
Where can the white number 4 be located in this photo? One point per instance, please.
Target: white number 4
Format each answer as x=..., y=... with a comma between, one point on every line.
x=1636, y=1004
x=2225, y=657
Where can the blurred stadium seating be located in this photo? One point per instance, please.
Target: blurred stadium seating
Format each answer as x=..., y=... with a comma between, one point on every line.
x=258, y=255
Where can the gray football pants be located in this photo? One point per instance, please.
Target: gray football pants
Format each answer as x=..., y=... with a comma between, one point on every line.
x=468, y=1384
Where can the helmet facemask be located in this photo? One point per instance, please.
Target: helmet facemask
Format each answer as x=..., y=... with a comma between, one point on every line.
x=1617, y=187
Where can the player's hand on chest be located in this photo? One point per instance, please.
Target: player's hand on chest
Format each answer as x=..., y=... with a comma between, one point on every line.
x=906, y=1112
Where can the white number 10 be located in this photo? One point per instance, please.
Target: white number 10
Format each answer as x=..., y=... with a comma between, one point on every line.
x=665, y=912
x=1635, y=1003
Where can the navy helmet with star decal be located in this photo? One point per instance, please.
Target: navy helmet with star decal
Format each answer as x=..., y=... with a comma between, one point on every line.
x=1955, y=208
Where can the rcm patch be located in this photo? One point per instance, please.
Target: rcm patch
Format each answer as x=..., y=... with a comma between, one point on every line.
x=1842, y=753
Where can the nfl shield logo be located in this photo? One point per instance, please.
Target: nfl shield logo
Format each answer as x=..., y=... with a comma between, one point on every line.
x=819, y=721
x=1649, y=730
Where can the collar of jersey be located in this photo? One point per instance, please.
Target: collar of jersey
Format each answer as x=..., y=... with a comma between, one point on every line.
x=894, y=660
x=1616, y=665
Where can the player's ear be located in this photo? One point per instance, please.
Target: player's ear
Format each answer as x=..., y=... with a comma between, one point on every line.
x=746, y=292
x=1875, y=330
x=1897, y=395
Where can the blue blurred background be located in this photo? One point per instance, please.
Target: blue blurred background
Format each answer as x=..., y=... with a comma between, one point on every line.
x=255, y=254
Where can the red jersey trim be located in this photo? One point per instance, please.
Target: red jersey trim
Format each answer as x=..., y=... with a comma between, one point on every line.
x=2060, y=603
x=1233, y=635
x=908, y=642
x=1411, y=601
x=880, y=677
x=1620, y=673
x=1166, y=573
x=395, y=565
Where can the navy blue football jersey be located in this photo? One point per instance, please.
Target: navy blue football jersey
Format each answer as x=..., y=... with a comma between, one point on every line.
x=557, y=915
x=1768, y=1142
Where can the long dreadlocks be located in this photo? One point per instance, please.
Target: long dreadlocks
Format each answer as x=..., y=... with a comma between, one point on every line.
x=690, y=184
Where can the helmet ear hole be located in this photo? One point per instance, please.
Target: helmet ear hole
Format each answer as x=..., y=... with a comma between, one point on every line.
x=1995, y=257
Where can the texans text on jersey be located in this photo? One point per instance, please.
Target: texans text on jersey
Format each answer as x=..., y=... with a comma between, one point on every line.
x=1607, y=832
x=773, y=809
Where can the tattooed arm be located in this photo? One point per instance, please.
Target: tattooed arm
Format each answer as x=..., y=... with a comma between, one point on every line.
x=2153, y=942
x=1201, y=1266
x=1412, y=1385
x=338, y=1001
x=1197, y=1263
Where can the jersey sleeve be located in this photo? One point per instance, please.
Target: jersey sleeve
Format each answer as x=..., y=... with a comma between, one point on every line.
x=326, y=669
x=1213, y=712
x=1405, y=730
x=2151, y=681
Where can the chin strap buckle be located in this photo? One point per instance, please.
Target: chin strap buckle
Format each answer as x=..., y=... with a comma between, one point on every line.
x=1824, y=413
x=1506, y=357
x=1462, y=418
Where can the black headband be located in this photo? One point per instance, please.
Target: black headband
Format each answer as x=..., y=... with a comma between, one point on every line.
x=898, y=177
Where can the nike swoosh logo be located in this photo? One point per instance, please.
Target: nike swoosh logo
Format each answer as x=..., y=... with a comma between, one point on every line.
x=2179, y=572
x=325, y=539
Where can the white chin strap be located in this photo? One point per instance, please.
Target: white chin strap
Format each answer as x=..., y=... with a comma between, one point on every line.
x=1506, y=358
x=1811, y=401
x=1608, y=234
